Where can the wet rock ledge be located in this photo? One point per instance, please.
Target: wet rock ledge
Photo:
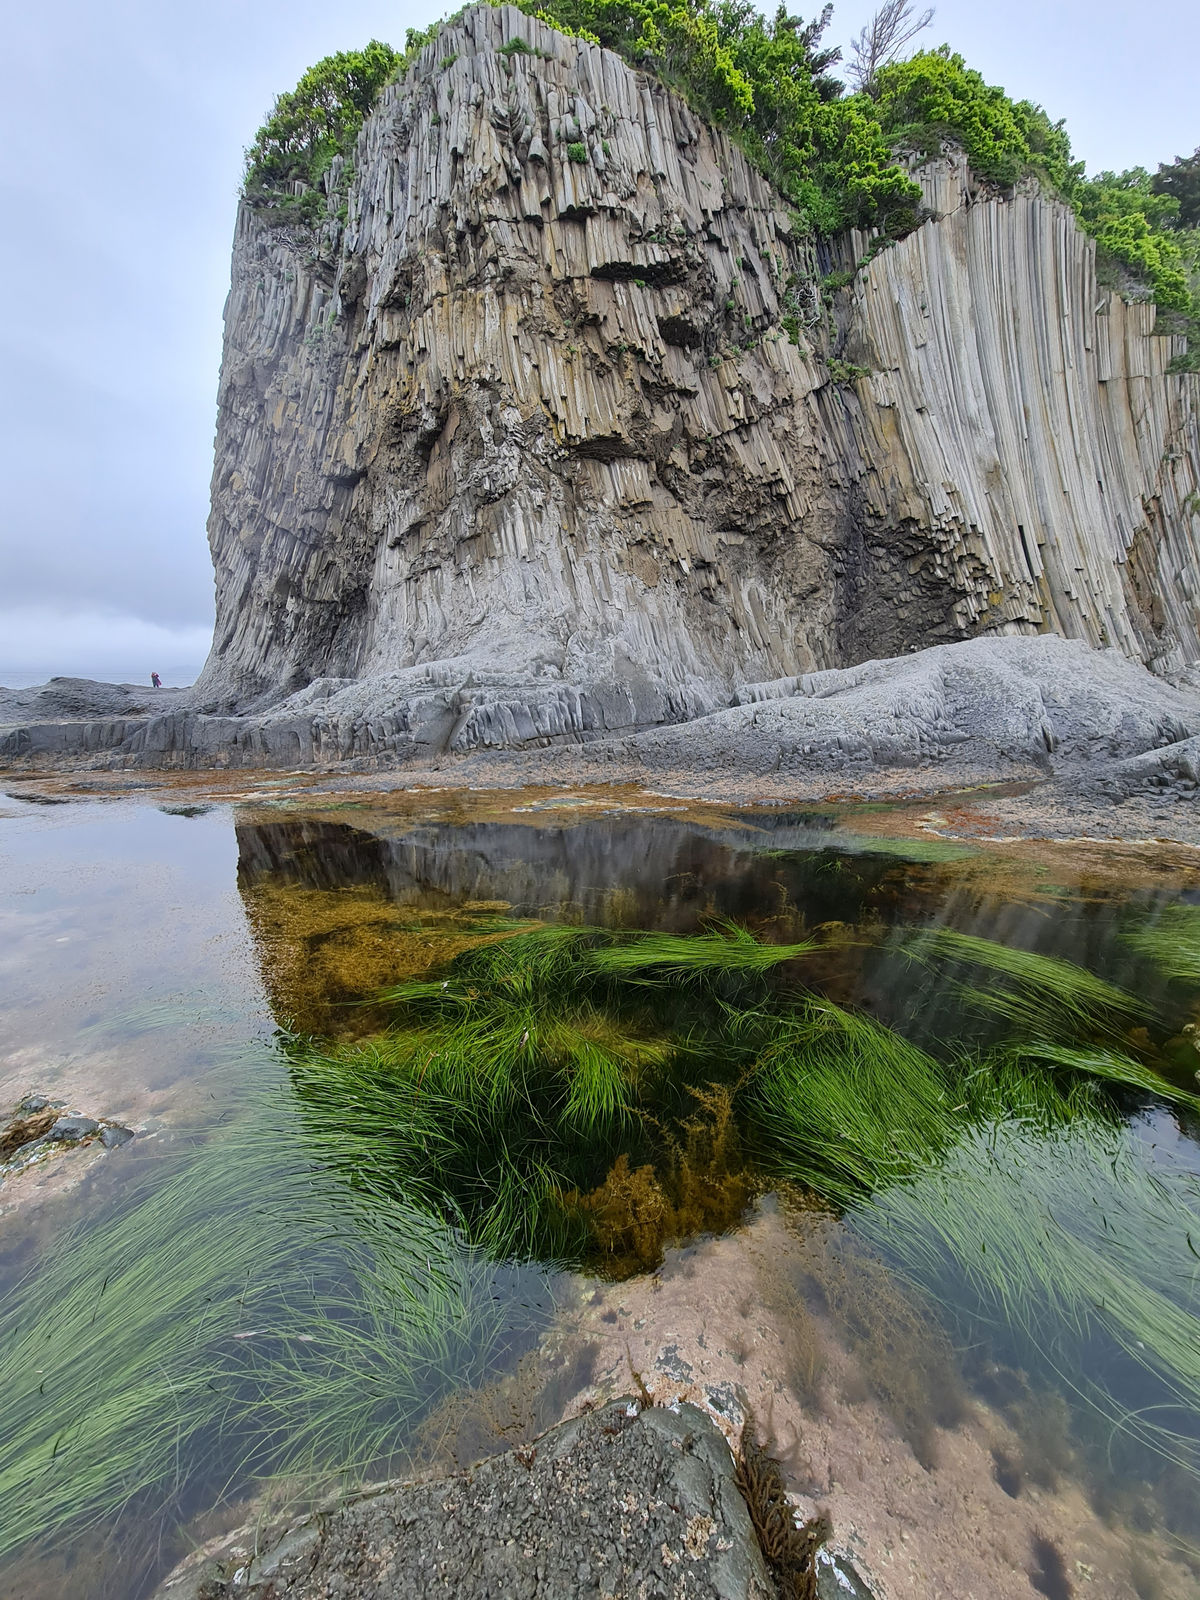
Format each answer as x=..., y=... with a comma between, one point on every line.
x=41, y=1127
x=620, y=1502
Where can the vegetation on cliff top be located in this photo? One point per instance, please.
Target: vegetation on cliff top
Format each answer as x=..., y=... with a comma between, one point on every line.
x=317, y=121
x=769, y=82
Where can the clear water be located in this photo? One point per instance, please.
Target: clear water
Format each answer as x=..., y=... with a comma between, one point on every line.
x=149, y=956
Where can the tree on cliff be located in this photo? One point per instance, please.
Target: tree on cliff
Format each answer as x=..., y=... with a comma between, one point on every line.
x=1181, y=181
x=889, y=30
x=770, y=82
x=1134, y=223
x=320, y=118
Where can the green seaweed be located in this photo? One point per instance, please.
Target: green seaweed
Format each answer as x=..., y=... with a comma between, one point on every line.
x=1074, y=1231
x=1171, y=942
x=246, y=1314
x=306, y=1281
x=700, y=958
x=1058, y=993
x=843, y=1104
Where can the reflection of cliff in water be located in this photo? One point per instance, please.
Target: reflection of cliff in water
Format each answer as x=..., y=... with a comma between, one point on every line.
x=667, y=873
x=340, y=909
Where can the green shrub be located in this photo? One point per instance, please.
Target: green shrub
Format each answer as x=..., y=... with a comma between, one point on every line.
x=935, y=96
x=318, y=120
x=845, y=371
x=1181, y=181
x=1134, y=224
x=768, y=81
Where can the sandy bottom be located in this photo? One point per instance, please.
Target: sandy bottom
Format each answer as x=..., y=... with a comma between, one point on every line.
x=724, y=1326
x=128, y=977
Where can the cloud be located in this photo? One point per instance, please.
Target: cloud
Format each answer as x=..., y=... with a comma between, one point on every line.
x=38, y=642
x=121, y=140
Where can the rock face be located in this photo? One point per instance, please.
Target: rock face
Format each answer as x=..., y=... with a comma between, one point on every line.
x=528, y=439
x=1023, y=444
x=554, y=435
x=615, y=1503
x=529, y=442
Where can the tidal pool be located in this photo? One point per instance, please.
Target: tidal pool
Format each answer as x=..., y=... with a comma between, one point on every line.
x=458, y=1111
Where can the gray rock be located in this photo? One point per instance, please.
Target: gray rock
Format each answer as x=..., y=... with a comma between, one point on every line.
x=986, y=707
x=838, y=1578
x=27, y=1151
x=979, y=710
x=614, y=1503
x=672, y=1364
x=112, y=1135
x=64, y=699
x=33, y=799
x=69, y=1130
x=723, y=1400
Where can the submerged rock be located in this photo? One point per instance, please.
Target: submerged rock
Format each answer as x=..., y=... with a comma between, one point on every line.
x=616, y=1503
x=29, y=1127
x=42, y=1127
x=71, y=1129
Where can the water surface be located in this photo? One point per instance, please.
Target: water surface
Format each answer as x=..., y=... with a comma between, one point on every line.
x=157, y=967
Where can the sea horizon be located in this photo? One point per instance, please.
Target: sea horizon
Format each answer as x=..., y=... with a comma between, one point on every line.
x=173, y=677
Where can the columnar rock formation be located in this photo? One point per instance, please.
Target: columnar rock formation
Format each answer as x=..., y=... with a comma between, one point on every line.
x=533, y=423
x=543, y=439
x=560, y=430
x=1020, y=431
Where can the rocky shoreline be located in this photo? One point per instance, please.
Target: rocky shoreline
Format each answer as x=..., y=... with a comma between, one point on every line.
x=627, y=1500
x=1099, y=739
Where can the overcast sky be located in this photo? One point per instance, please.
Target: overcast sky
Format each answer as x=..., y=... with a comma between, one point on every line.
x=122, y=128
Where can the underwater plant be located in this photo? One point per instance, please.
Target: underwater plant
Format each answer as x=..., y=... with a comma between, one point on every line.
x=1171, y=942
x=1062, y=1237
x=245, y=1314
x=843, y=1105
x=304, y=1285
x=530, y=1085
x=1045, y=994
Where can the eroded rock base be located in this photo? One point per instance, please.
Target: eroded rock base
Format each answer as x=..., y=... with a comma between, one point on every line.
x=982, y=710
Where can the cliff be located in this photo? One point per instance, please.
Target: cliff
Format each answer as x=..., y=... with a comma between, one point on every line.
x=1021, y=433
x=529, y=438
x=554, y=434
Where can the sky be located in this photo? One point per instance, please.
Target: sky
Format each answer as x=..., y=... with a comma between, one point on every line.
x=122, y=131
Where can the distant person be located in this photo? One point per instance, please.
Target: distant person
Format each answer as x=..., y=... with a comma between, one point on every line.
x=155, y=680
